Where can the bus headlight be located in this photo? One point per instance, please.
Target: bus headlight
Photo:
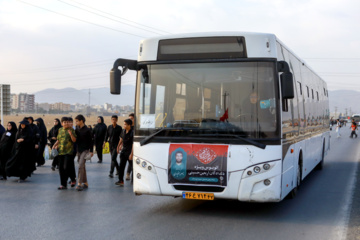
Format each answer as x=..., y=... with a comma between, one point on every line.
x=266, y=166
x=257, y=169
x=146, y=165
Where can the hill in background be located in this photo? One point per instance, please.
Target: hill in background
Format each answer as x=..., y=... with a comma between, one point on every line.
x=340, y=98
x=98, y=96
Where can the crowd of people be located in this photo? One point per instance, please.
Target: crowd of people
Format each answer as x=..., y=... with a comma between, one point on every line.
x=22, y=148
x=338, y=125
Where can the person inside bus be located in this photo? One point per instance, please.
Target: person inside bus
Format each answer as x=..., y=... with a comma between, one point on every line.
x=257, y=113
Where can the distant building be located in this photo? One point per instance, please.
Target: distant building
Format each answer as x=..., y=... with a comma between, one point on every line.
x=44, y=106
x=6, y=99
x=23, y=102
x=107, y=106
x=79, y=107
x=60, y=106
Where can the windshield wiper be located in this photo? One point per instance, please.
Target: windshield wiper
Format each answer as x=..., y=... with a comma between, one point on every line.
x=148, y=138
x=256, y=144
x=252, y=142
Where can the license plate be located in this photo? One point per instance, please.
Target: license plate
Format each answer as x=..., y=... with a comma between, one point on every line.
x=198, y=196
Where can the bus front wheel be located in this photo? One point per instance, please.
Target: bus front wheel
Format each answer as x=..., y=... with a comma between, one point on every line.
x=293, y=192
x=320, y=165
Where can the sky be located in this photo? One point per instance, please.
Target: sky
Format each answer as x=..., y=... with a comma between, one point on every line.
x=74, y=43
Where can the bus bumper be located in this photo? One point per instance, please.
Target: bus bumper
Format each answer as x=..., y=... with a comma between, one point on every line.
x=264, y=186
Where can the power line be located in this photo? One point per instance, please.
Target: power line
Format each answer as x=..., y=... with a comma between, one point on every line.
x=78, y=19
x=337, y=73
x=52, y=70
x=345, y=76
x=109, y=18
x=66, y=67
x=333, y=59
x=121, y=18
x=67, y=77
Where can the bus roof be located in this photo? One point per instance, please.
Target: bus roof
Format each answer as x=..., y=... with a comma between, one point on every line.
x=256, y=43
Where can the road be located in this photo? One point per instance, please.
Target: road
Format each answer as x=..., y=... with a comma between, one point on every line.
x=323, y=208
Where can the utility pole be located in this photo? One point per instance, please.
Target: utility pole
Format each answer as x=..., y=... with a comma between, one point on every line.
x=335, y=113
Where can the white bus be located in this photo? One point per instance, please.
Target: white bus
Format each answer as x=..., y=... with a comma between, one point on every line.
x=229, y=115
x=356, y=118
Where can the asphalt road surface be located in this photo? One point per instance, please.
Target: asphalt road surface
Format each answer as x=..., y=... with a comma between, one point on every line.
x=323, y=209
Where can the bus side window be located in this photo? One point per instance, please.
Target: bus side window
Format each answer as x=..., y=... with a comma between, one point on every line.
x=307, y=88
x=300, y=88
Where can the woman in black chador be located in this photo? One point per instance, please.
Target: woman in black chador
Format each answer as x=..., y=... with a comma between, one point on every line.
x=6, y=146
x=53, y=138
x=20, y=164
x=43, y=141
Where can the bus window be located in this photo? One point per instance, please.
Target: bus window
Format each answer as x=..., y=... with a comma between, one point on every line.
x=300, y=88
x=307, y=88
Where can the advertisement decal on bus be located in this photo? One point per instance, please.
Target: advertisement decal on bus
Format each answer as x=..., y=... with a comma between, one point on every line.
x=198, y=164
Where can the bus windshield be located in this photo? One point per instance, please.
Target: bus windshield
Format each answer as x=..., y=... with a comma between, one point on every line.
x=214, y=100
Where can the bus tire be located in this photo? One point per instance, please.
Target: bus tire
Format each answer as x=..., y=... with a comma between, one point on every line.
x=293, y=192
x=320, y=165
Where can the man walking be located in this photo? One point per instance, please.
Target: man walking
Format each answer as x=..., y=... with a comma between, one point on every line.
x=338, y=126
x=113, y=137
x=85, y=145
x=125, y=146
x=65, y=144
x=353, y=128
x=99, y=137
x=72, y=172
x=130, y=165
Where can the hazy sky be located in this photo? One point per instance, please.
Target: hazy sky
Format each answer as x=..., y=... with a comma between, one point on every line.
x=66, y=43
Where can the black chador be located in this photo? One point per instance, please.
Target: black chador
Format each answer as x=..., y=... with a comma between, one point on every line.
x=7, y=143
x=35, y=141
x=20, y=165
x=43, y=141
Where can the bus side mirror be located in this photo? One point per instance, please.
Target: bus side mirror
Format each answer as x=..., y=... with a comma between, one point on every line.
x=287, y=85
x=115, y=81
